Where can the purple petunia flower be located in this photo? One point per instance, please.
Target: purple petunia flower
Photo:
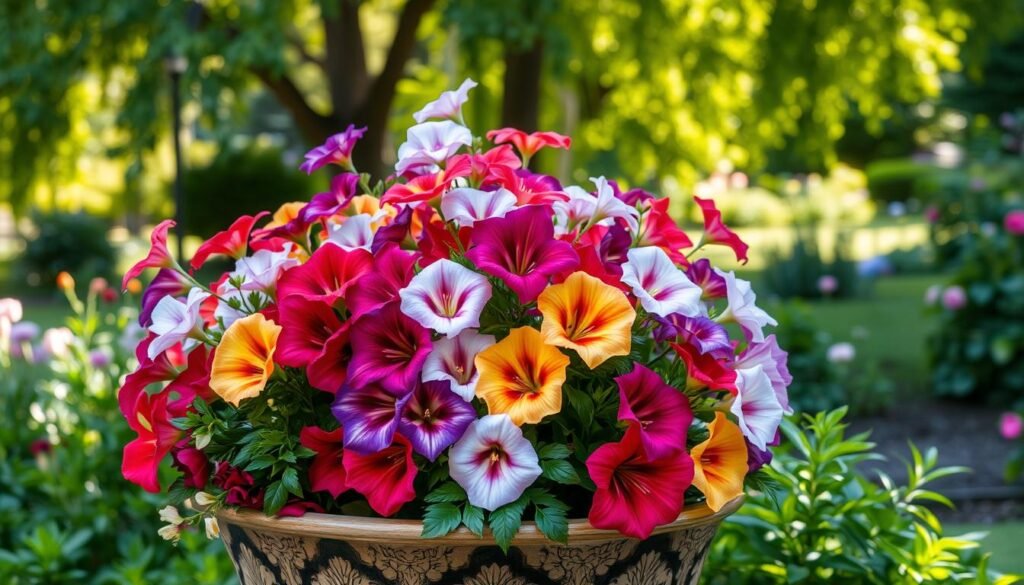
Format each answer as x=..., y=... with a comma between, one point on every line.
x=701, y=274
x=700, y=332
x=337, y=150
x=434, y=417
x=389, y=348
x=343, y=188
x=368, y=417
x=167, y=283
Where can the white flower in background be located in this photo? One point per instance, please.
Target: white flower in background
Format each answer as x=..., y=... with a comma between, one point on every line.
x=742, y=309
x=453, y=360
x=56, y=343
x=931, y=296
x=757, y=410
x=659, y=284
x=466, y=206
x=493, y=462
x=175, y=321
x=429, y=144
x=584, y=208
x=10, y=310
x=841, y=353
x=446, y=297
x=261, y=271
x=447, y=105
x=356, y=233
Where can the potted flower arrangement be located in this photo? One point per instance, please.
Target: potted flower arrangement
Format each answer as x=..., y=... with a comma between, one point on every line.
x=467, y=372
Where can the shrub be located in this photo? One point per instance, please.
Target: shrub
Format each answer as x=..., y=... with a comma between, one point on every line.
x=896, y=179
x=978, y=347
x=65, y=242
x=66, y=514
x=805, y=274
x=239, y=182
x=827, y=523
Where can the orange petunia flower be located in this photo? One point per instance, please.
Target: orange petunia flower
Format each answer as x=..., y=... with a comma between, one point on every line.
x=720, y=463
x=521, y=376
x=244, y=359
x=589, y=316
x=285, y=213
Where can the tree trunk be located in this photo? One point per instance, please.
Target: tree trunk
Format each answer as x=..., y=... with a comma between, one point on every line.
x=520, y=107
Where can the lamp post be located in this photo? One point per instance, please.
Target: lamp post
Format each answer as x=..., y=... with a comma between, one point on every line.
x=175, y=66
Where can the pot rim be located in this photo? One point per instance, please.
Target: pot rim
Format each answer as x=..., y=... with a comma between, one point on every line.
x=405, y=532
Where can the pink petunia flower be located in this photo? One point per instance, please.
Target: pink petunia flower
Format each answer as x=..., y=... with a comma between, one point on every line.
x=391, y=269
x=755, y=406
x=337, y=149
x=661, y=412
x=657, y=228
x=1011, y=426
x=159, y=256
x=426, y=187
x=448, y=105
x=634, y=492
x=446, y=297
x=385, y=478
x=521, y=250
x=452, y=361
x=529, y=144
x=954, y=298
x=430, y=144
x=493, y=462
x=716, y=232
x=389, y=348
x=434, y=417
x=661, y=287
x=1014, y=222
x=327, y=276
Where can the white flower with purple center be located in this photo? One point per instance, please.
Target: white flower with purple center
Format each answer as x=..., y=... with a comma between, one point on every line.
x=493, y=462
x=742, y=309
x=466, y=206
x=356, y=233
x=429, y=144
x=175, y=321
x=446, y=297
x=584, y=210
x=769, y=356
x=447, y=105
x=261, y=271
x=661, y=287
x=433, y=418
x=757, y=410
x=453, y=361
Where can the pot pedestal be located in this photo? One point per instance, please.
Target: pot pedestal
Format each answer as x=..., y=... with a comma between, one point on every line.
x=320, y=549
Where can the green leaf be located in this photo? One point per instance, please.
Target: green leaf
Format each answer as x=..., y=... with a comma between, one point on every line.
x=582, y=403
x=559, y=471
x=291, y=482
x=446, y=492
x=554, y=451
x=440, y=519
x=553, y=523
x=473, y=519
x=506, y=520
x=275, y=498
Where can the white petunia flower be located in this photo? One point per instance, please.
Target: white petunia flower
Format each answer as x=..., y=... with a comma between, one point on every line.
x=493, y=462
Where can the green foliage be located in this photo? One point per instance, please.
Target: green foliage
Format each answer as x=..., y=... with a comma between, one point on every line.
x=237, y=182
x=821, y=383
x=897, y=179
x=66, y=513
x=73, y=242
x=828, y=523
x=804, y=272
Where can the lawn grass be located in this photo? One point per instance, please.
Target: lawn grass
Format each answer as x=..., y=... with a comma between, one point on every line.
x=1003, y=543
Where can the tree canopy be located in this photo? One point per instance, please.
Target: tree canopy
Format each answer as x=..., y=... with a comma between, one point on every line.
x=648, y=88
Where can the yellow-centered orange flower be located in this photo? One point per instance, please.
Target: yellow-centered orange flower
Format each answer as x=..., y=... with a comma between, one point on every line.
x=245, y=358
x=285, y=213
x=589, y=316
x=720, y=463
x=521, y=376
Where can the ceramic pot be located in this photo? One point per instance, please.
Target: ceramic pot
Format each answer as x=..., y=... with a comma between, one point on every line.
x=322, y=549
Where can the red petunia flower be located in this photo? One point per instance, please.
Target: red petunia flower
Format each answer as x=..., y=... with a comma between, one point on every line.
x=385, y=478
x=230, y=242
x=326, y=276
x=427, y=187
x=716, y=232
x=150, y=418
x=326, y=473
x=704, y=370
x=159, y=256
x=529, y=144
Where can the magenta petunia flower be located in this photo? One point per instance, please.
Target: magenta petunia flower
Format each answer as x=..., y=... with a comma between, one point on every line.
x=661, y=411
x=166, y=283
x=343, y=188
x=703, y=275
x=327, y=276
x=446, y=297
x=392, y=269
x=634, y=492
x=521, y=250
x=389, y=348
x=434, y=417
x=369, y=417
x=337, y=150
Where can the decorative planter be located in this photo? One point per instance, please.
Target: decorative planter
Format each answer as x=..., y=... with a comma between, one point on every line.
x=321, y=549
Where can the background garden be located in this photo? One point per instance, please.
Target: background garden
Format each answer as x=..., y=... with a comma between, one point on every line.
x=871, y=153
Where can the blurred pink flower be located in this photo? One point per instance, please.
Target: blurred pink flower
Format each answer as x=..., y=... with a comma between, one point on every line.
x=954, y=298
x=56, y=342
x=1014, y=222
x=841, y=353
x=828, y=285
x=1011, y=426
x=932, y=214
x=10, y=310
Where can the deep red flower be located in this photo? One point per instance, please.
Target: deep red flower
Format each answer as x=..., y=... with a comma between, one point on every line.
x=159, y=256
x=716, y=232
x=657, y=228
x=329, y=369
x=150, y=418
x=193, y=465
x=240, y=486
x=385, y=478
x=326, y=473
x=704, y=370
x=634, y=492
x=392, y=270
x=297, y=508
x=230, y=242
x=427, y=187
x=436, y=242
x=306, y=325
x=529, y=144
x=326, y=276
